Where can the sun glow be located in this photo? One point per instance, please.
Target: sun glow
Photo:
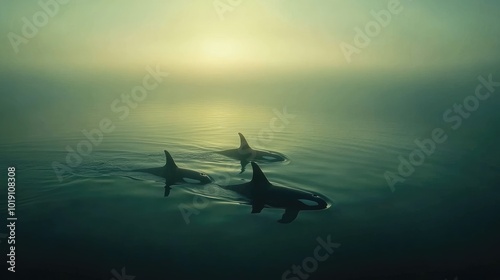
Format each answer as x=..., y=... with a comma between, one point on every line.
x=219, y=53
x=221, y=50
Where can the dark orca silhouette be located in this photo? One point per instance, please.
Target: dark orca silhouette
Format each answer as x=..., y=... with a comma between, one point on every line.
x=262, y=193
x=245, y=154
x=176, y=175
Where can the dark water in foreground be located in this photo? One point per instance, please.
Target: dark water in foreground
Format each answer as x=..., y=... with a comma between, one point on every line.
x=441, y=222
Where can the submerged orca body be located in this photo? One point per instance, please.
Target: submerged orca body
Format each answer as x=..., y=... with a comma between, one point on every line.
x=176, y=175
x=261, y=193
x=245, y=154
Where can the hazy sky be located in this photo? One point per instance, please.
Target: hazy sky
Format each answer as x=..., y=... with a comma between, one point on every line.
x=253, y=36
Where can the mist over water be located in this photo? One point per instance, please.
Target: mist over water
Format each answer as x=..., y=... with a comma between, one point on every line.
x=345, y=133
x=387, y=110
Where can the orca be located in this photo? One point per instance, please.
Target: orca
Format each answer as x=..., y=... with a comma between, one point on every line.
x=261, y=194
x=175, y=175
x=245, y=154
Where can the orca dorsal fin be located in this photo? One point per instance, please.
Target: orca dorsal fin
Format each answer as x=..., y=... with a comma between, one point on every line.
x=243, y=142
x=258, y=178
x=170, y=161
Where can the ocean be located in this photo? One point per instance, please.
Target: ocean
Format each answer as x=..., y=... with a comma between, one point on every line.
x=399, y=210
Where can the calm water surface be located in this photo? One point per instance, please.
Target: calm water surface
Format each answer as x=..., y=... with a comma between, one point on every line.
x=443, y=219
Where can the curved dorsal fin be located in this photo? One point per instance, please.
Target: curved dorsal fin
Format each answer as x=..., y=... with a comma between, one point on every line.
x=258, y=177
x=170, y=161
x=243, y=142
